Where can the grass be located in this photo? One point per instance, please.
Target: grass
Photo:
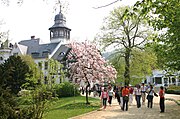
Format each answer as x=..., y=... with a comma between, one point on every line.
x=69, y=107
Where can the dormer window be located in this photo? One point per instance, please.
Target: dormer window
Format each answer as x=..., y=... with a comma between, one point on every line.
x=45, y=53
x=35, y=54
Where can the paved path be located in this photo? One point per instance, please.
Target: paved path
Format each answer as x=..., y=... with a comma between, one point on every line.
x=172, y=111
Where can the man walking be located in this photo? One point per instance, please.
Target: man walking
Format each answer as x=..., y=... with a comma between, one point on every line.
x=161, y=95
x=125, y=94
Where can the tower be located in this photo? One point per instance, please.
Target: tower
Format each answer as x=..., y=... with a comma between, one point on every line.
x=59, y=32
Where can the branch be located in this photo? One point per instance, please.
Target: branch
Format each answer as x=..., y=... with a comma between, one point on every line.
x=139, y=43
x=106, y=5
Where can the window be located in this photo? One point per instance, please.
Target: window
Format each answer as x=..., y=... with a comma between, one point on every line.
x=158, y=80
x=61, y=33
x=45, y=53
x=40, y=65
x=46, y=65
x=15, y=54
x=45, y=80
x=55, y=34
x=35, y=54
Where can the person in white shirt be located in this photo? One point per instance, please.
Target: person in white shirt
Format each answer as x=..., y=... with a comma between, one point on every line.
x=137, y=93
x=150, y=96
x=143, y=93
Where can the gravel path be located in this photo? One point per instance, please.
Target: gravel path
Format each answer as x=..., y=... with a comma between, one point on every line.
x=172, y=111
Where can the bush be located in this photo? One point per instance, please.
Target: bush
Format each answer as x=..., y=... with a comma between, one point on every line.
x=66, y=89
x=173, y=90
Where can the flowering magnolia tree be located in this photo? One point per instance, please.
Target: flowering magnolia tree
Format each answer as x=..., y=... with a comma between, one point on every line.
x=88, y=65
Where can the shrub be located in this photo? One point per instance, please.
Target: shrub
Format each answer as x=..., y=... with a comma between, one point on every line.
x=173, y=90
x=66, y=89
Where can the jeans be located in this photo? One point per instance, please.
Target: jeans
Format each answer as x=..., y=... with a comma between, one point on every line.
x=125, y=102
x=162, y=107
x=150, y=101
x=138, y=100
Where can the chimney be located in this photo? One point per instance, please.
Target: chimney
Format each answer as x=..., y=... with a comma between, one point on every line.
x=32, y=37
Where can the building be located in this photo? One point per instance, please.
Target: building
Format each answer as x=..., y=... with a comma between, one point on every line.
x=56, y=49
x=161, y=78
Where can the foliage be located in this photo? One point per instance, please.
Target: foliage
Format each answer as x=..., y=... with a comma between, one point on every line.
x=32, y=106
x=55, y=70
x=164, y=16
x=142, y=62
x=67, y=107
x=14, y=73
x=35, y=74
x=66, y=89
x=87, y=65
x=173, y=90
x=8, y=104
x=125, y=30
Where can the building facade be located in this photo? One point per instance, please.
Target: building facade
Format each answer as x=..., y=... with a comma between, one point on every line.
x=57, y=48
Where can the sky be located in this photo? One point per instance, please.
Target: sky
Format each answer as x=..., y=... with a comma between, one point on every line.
x=35, y=17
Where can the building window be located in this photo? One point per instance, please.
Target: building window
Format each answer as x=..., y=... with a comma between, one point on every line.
x=61, y=33
x=46, y=65
x=45, y=53
x=40, y=65
x=158, y=80
x=55, y=34
x=45, y=80
x=35, y=54
x=15, y=54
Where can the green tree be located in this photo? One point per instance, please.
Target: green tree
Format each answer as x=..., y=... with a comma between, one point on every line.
x=164, y=16
x=35, y=75
x=142, y=62
x=14, y=73
x=125, y=29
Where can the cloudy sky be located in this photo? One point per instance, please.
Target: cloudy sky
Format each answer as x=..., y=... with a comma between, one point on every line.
x=34, y=17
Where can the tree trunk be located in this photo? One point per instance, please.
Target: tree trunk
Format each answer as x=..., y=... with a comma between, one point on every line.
x=88, y=85
x=127, y=68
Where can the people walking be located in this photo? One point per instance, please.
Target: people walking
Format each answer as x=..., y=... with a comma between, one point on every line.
x=130, y=95
x=150, y=96
x=110, y=94
x=104, y=98
x=121, y=98
x=161, y=95
x=125, y=95
x=116, y=90
x=143, y=93
x=137, y=93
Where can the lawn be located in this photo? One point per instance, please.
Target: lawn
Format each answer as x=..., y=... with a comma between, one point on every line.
x=65, y=107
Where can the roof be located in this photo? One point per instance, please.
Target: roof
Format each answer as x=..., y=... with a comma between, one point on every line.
x=37, y=50
x=61, y=53
x=22, y=48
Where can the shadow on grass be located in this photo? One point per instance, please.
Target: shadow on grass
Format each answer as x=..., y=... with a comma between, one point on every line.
x=79, y=105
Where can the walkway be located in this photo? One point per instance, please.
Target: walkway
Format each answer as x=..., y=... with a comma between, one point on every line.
x=172, y=111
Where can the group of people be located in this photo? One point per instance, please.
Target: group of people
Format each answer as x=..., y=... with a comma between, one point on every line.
x=124, y=95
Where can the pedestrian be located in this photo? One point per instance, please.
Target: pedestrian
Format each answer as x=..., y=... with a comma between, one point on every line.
x=150, y=96
x=99, y=89
x=110, y=94
x=104, y=98
x=137, y=93
x=125, y=95
x=116, y=90
x=161, y=95
x=121, y=98
x=143, y=93
x=130, y=95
